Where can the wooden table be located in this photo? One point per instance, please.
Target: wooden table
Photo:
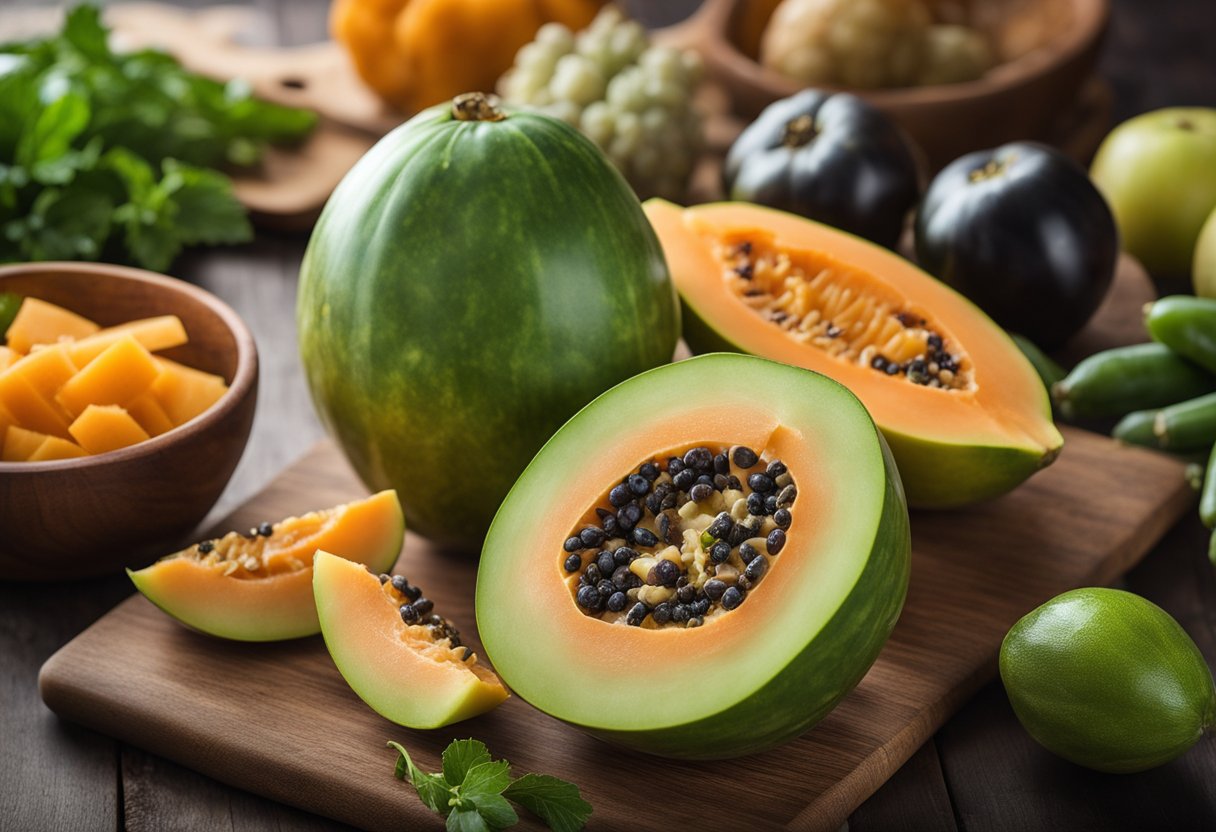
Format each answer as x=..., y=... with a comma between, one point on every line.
x=981, y=771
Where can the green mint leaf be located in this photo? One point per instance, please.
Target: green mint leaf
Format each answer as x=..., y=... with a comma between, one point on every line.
x=207, y=212
x=495, y=810
x=68, y=224
x=462, y=755
x=467, y=820
x=82, y=28
x=556, y=802
x=486, y=778
x=54, y=129
x=432, y=789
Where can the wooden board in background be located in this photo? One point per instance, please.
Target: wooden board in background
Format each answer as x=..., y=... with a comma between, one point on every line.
x=277, y=719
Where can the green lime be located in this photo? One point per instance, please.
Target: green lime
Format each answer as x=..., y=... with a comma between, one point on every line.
x=1107, y=680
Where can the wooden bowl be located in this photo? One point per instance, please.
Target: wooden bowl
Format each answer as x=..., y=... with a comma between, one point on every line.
x=81, y=517
x=1047, y=51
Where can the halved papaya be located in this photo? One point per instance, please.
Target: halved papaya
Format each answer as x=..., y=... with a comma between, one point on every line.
x=257, y=586
x=417, y=674
x=964, y=412
x=702, y=562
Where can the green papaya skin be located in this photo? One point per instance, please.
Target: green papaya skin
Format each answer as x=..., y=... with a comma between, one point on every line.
x=1107, y=680
x=1118, y=381
x=1187, y=325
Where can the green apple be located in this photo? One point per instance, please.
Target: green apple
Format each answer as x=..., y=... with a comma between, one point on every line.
x=1203, y=272
x=1158, y=172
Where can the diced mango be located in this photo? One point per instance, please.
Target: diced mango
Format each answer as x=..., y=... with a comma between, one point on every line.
x=39, y=322
x=28, y=408
x=20, y=444
x=158, y=333
x=8, y=358
x=102, y=428
x=123, y=371
x=150, y=415
x=185, y=392
x=46, y=369
x=55, y=448
x=6, y=421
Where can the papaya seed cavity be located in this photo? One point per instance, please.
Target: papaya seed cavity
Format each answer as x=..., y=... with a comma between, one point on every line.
x=827, y=307
x=682, y=539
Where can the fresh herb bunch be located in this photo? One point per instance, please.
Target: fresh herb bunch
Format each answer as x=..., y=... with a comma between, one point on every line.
x=108, y=156
x=474, y=792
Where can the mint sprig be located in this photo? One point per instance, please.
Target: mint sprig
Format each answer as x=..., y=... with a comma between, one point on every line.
x=118, y=156
x=474, y=792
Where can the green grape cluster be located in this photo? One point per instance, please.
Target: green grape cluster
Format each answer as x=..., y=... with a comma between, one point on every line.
x=630, y=98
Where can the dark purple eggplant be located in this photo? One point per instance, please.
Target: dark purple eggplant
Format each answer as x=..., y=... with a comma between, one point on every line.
x=1023, y=233
x=831, y=158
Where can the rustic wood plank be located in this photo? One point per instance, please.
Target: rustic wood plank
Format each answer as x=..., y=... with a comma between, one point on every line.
x=321, y=749
x=55, y=775
x=914, y=798
x=160, y=796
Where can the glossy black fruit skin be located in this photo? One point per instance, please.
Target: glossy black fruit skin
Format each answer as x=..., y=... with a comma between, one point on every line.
x=1022, y=232
x=831, y=158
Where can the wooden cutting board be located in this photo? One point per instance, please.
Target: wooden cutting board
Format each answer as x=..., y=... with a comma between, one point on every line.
x=277, y=719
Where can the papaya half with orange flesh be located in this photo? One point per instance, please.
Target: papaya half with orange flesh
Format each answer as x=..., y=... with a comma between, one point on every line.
x=417, y=674
x=702, y=562
x=962, y=409
x=257, y=586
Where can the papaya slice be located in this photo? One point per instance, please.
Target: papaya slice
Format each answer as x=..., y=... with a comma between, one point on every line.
x=963, y=410
x=257, y=586
x=702, y=562
x=416, y=674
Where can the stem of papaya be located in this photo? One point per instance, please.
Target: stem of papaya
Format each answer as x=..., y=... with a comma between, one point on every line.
x=477, y=106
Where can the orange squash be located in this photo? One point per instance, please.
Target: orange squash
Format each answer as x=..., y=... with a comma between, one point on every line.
x=258, y=587
x=964, y=412
x=415, y=53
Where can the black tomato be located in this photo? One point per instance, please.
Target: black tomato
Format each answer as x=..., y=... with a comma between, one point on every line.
x=829, y=157
x=1023, y=233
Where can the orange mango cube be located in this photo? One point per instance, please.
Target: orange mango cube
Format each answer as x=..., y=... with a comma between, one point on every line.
x=46, y=369
x=55, y=448
x=8, y=358
x=150, y=415
x=28, y=408
x=20, y=444
x=102, y=428
x=39, y=322
x=185, y=392
x=159, y=333
x=121, y=372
